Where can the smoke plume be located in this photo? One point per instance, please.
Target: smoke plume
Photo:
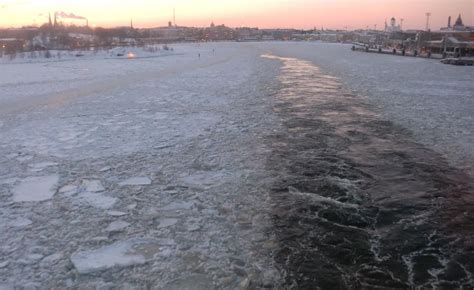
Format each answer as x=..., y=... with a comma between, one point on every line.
x=62, y=14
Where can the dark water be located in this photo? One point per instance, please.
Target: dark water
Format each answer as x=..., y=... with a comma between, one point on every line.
x=359, y=204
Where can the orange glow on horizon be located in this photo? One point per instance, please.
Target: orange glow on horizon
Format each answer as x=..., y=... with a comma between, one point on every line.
x=350, y=14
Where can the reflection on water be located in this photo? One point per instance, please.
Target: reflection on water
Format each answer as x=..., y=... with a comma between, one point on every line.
x=358, y=204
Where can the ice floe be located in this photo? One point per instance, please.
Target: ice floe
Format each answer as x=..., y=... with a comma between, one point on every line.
x=92, y=185
x=179, y=205
x=20, y=222
x=4, y=265
x=120, y=254
x=116, y=213
x=166, y=222
x=136, y=181
x=117, y=226
x=97, y=200
x=41, y=166
x=35, y=188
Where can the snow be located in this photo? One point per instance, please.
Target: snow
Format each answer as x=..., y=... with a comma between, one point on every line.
x=34, y=189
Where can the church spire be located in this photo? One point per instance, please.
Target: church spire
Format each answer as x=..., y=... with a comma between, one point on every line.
x=50, y=23
x=459, y=21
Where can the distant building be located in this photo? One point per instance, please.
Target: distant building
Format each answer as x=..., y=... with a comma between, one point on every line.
x=458, y=25
x=393, y=27
x=11, y=45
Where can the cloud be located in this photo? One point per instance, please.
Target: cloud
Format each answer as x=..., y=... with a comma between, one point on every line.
x=62, y=14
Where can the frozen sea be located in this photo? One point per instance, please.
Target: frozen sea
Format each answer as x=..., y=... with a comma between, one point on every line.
x=434, y=101
x=255, y=165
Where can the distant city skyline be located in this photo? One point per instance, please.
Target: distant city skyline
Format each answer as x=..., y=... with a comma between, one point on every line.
x=300, y=14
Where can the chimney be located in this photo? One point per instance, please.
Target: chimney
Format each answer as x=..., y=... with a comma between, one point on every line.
x=449, y=22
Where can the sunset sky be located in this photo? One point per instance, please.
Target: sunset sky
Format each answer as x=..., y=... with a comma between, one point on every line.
x=235, y=13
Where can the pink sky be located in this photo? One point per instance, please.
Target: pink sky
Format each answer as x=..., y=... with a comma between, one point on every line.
x=262, y=13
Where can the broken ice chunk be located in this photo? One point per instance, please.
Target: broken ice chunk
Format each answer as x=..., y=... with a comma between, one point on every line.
x=136, y=181
x=97, y=200
x=42, y=165
x=68, y=188
x=20, y=222
x=166, y=222
x=24, y=158
x=104, y=169
x=120, y=254
x=116, y=213
x=179, y=205
x=35, y=188
x=92, y=185
x=117, y=226
x=4, y=265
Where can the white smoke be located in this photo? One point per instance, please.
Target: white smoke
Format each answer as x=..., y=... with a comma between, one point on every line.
x=65, y=15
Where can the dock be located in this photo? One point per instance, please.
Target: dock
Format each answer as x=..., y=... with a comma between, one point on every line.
x=461, y=61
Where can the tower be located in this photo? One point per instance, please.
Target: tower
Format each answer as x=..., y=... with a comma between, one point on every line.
x=401, y=23
x=131, y=24
x=449, y=22
x=50, y=23
x=55, y=19
x=393, y=22
x=428, y=15
x=174, y=17
x=459, y=22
